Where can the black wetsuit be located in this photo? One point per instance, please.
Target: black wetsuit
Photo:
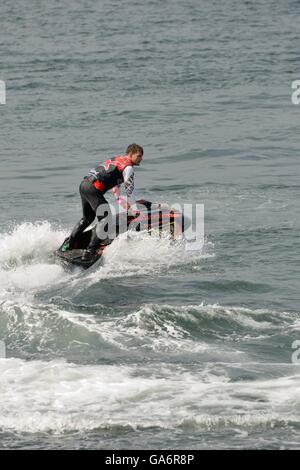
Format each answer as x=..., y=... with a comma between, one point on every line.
x=91, y=199
x=92, y=190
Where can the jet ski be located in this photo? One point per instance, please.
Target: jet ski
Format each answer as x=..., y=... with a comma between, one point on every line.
x=152, y=216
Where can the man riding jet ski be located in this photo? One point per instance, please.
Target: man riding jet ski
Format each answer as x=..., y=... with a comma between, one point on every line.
x=109, y=175
x=83, y=248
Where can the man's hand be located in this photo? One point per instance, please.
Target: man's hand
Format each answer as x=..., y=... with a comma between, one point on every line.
x=133, y=211
x=122, y=201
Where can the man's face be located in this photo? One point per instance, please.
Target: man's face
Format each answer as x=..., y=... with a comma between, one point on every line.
x=136, y=158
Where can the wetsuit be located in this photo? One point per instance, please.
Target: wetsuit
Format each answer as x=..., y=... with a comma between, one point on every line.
x=109, y=175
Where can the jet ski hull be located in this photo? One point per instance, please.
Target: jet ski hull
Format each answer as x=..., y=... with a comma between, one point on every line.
x=157, y=217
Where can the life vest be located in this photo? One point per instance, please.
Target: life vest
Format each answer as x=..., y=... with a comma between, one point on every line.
x=110, y=173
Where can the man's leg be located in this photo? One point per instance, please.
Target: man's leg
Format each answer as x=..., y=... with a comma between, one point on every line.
x=85, y=221
x=102, y=230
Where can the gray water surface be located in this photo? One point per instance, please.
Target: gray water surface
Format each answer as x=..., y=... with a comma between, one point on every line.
x=157, y=347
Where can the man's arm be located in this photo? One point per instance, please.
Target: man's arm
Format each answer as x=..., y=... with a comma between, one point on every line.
x=120, y=199
x=128, y=175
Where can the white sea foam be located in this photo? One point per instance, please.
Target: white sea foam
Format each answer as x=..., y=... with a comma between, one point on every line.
x=26, y=260
x=29, y=241
x=57, y=396
x=26, y=263
x=140, y=254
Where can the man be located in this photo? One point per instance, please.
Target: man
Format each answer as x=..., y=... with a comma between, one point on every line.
x=109, y=175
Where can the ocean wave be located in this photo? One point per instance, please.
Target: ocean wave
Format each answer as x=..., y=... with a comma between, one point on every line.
x=41, y=328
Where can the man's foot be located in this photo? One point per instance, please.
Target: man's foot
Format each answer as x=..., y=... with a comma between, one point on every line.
x=89, y=254
x=66, y=245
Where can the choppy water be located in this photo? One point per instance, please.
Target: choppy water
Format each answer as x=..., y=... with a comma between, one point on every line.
x=159, y=347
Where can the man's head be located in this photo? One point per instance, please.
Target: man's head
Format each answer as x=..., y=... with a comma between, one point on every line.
x=135, y=152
